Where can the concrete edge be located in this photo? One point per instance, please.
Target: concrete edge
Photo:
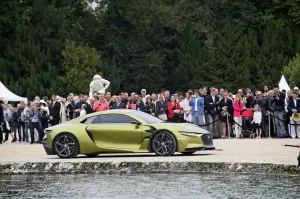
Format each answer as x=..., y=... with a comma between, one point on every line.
x=143, y=167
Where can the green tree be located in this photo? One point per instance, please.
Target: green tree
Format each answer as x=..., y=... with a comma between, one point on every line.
x=292, y=71
x=79, y=66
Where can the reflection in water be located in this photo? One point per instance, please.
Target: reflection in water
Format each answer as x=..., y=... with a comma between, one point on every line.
x=150, y=186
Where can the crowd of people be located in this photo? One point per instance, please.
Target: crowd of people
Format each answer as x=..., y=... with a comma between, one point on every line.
x=220, y=112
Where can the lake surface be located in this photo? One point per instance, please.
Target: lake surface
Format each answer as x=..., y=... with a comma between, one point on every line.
x=183, y=186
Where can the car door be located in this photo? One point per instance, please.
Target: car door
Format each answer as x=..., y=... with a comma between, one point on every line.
x=116, y=131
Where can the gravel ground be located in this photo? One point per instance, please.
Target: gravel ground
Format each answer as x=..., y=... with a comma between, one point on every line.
x=227, y=151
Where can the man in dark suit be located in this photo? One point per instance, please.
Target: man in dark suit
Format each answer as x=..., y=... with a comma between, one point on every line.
x=294, y=107
x=212, y=107
x=55, y=110
x=138, y=104
x=119, y=104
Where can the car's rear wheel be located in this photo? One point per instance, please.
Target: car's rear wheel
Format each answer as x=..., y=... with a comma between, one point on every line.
x=92, y=155
x=66, y=145
x=188, y=153
x=163, y=143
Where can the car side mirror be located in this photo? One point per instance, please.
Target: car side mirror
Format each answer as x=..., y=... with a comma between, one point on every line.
x=136, y=122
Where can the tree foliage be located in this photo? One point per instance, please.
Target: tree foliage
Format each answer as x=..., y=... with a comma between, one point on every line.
x=79, y=63
x=54, y=46
x=292, y=70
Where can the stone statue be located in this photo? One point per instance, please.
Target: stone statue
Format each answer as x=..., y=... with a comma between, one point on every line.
x=98, y=85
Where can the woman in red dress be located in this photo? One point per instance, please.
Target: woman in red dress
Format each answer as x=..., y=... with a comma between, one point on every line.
x=173, y=109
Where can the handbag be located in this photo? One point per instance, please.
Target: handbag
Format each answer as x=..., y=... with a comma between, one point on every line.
x=163, y=117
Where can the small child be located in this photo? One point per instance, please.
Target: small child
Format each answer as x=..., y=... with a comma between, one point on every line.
x=257, y=118
x=83, y=110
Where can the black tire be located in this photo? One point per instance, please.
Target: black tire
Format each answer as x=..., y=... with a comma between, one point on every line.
x=65, y=145
x=91, y=155
x=188, y=153
x=163, y=143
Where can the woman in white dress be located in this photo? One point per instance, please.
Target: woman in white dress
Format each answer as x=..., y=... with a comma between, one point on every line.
x=63, y=114
x=186, y=108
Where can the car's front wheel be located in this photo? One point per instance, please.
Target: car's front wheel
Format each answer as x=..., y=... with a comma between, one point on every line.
x=163, y=143
x=66, y=145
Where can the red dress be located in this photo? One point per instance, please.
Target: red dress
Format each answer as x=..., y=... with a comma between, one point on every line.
x=170, y=108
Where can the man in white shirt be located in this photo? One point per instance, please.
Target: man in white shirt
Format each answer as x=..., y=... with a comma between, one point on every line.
x=144, y=97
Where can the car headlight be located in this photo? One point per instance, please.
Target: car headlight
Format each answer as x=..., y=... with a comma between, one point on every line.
x=47, y=131
x=190, y=133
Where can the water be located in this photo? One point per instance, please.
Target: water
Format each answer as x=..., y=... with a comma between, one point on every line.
x=163, y=186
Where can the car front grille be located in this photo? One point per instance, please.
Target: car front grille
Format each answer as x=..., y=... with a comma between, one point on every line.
x=207, y=139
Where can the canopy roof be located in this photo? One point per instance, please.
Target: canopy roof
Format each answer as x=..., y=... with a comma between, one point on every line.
x=7, y=95
x=283, y=84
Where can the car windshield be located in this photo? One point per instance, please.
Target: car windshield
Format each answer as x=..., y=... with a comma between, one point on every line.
x=146, y=117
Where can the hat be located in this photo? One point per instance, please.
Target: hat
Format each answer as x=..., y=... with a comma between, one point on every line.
x=71, y=94
x=296, y=117
x=57, y=97
x=295, y=92
x=143, y=90
x=296, y=89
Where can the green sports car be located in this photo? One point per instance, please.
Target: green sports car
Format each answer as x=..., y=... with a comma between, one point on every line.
x=124, y=131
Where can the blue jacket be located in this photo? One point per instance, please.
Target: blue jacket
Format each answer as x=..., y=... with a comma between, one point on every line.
x=200, y=104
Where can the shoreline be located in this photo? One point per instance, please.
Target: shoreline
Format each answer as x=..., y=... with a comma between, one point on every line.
x=127, y=168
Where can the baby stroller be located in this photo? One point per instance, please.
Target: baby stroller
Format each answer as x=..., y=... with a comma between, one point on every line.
x=247, y=129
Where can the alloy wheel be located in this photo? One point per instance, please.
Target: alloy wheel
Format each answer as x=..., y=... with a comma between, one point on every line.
x=65, y=146
x=162, y=143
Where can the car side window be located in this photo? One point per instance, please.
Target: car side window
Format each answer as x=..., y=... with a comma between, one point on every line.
x=116, y=118
x=88, y=120
x=97, y=120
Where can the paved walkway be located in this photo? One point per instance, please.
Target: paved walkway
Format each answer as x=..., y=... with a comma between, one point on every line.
x=229, y=150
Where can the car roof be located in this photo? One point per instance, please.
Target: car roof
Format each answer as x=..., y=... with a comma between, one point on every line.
x=117, y=111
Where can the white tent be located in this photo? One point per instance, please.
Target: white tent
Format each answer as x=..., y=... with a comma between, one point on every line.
x=283, y=84
x=7, y=95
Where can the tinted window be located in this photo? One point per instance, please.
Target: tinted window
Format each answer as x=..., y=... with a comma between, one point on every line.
x=97, y=120
x=116, y=118
x=112, y=118
x=88, y=120
x=146, y=117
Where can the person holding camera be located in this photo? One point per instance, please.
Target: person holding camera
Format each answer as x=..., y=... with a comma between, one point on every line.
x=276, y=106
x=249, y=99
x=35, y=117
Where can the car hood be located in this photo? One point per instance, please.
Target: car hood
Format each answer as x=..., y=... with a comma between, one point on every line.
x=185, y=127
